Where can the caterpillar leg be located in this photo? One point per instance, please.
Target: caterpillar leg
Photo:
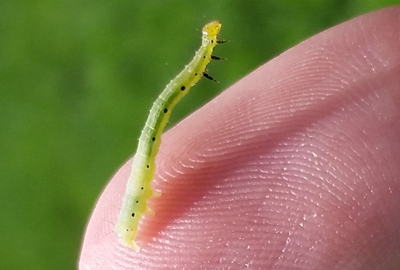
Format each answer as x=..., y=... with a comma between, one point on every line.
x=205, y=75
x=157, y=193
x=150, y=211
x=213, y=57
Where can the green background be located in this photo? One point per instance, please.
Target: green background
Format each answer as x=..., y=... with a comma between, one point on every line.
x=77, y=79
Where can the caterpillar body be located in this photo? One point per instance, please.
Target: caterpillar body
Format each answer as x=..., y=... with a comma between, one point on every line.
x=138, y=189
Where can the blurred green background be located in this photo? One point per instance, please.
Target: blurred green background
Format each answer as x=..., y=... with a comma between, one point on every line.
x=77, y=79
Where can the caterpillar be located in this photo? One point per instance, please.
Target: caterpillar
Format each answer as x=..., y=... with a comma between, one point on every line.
x=138, y=189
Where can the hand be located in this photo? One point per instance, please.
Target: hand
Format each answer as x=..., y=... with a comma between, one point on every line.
x=294, y=167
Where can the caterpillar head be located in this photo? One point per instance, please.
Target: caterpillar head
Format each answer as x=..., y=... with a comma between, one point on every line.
x=212, y=29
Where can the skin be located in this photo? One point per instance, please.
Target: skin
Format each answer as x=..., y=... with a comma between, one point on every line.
x=296, y=166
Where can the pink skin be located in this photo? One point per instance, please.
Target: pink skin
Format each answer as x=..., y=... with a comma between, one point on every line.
x=296, y=166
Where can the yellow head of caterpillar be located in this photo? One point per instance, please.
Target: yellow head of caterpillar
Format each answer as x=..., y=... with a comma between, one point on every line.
x=212, y=29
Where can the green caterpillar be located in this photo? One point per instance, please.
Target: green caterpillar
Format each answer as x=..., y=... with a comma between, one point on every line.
x=138, y=189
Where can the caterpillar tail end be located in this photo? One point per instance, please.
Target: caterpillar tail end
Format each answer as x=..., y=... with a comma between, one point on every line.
x=131, y=244
x=135, y=247
x=127, y=238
